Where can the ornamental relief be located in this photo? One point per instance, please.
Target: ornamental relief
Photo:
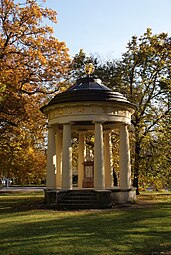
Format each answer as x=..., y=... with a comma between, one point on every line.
x=60, y=111
x=89, y=109
x=51, y=115
x=69, y=110
x=121, y=113
x=81, y=109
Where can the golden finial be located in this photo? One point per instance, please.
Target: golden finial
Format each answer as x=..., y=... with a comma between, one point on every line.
x=89, y=68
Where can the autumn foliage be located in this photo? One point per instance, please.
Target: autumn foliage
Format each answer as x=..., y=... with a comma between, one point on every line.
x=32, y=64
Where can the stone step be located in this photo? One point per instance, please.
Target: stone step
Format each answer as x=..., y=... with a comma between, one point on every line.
x=83, y=199
x=79, y=201
x=82, y=206
x=80, y=193
x=79, y=197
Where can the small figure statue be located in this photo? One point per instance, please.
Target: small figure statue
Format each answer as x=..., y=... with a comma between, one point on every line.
x=89, y=68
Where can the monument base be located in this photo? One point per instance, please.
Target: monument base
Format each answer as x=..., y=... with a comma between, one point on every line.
x=123, y=196
x=88, y=198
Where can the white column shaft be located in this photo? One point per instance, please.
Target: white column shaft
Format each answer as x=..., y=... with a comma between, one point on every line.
x=58, y=160
x=99, y=178
x=67, y=157
x=124, y=158
x=81, y=152
x=108, y=160
x=51, y=177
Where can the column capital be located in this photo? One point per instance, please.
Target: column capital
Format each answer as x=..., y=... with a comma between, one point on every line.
x=98, y=121
x=58, y=128
x=50, y=126
x=67, y=123
x=123, y=124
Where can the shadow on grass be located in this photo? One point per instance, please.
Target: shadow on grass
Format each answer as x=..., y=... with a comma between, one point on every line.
x=120, y=231
x=20, y=202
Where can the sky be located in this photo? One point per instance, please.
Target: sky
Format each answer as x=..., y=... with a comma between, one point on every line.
x=104, y=27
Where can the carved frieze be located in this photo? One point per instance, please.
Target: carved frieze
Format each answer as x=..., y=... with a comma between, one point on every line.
x=89, y=109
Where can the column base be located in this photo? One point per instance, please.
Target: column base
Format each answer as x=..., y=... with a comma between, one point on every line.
x=123, y=196
x=50, y=196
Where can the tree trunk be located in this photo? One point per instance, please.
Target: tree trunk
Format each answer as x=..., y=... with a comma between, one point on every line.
x=136, y=166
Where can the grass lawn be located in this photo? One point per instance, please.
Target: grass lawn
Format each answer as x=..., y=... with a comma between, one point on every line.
x=28, y=228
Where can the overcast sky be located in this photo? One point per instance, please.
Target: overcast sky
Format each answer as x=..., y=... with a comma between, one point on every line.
x=104, y=27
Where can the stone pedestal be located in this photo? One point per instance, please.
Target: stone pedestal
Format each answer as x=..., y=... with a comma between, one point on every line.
x=123, y=196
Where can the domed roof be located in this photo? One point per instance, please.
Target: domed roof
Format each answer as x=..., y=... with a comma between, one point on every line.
x=86, y=90
x=88, y=84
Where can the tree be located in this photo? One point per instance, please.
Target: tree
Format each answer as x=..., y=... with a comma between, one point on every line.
x=156, y=167
x=145, y=65
x=143, y=75
x=32, y=66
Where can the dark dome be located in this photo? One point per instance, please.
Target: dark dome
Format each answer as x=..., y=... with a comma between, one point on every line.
x=88, y=89
x=88, y=84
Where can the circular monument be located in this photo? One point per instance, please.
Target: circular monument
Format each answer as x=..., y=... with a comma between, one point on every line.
x=88, y=107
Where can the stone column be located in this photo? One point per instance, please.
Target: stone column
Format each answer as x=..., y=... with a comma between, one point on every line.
x=67, y=157
x=124, y=158
x=108, y=160
x=51, y=151
x=58, y=159
x=81, y=154
x=99, y=178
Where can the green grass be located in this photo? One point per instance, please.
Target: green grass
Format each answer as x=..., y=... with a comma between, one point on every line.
x=28, y=228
